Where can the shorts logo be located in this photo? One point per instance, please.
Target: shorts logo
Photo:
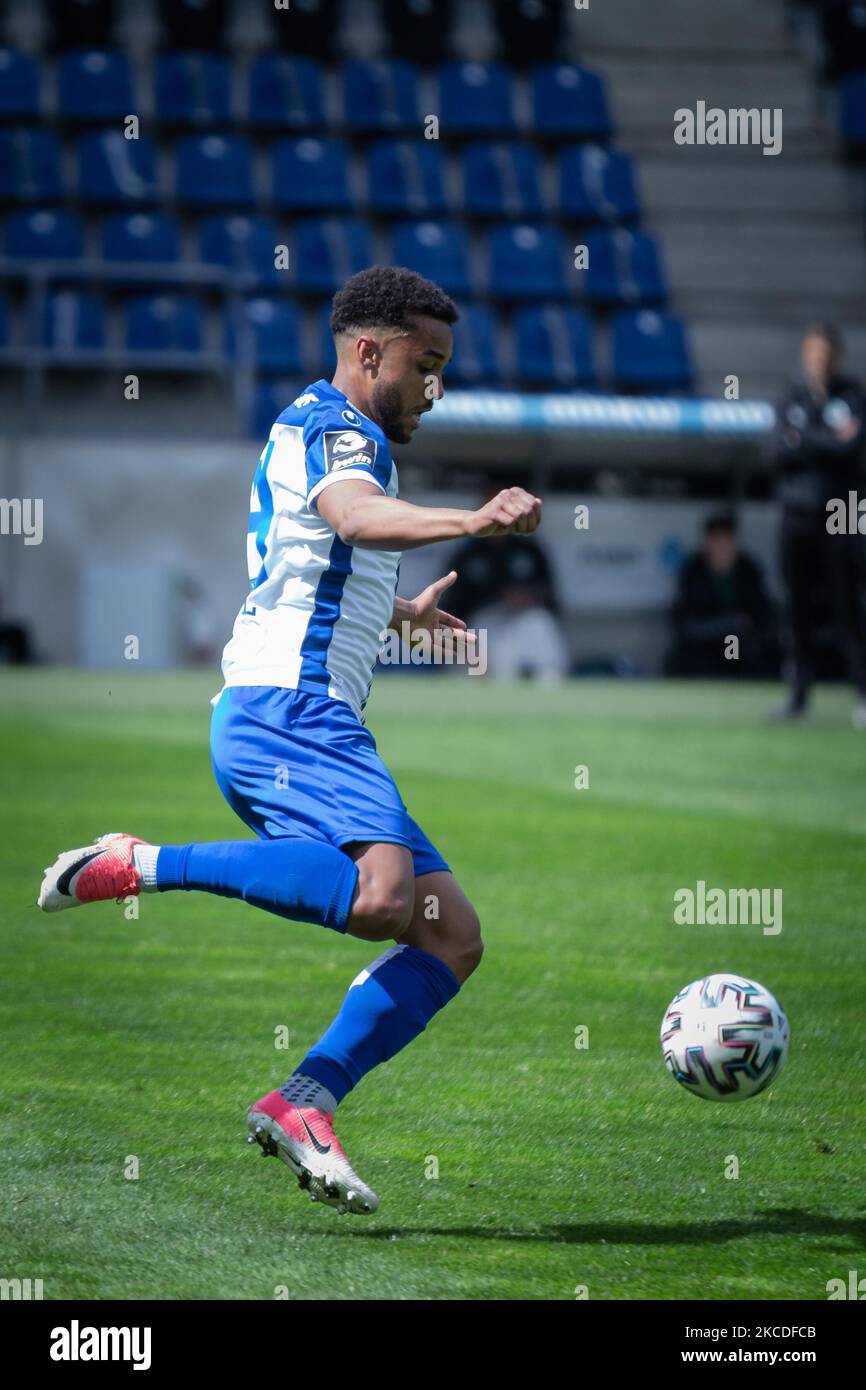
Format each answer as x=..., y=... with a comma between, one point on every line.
x=348, y=447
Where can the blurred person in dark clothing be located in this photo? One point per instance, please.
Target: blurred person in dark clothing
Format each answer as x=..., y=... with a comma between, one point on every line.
x=505, y=586
x=722, y=595
x=16, y=649
x=818, y=452
x=514, y=567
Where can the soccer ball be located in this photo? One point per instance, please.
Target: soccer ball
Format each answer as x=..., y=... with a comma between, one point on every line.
x=724, y=1038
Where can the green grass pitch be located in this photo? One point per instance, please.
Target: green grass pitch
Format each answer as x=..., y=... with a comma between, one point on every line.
x=144, y=1041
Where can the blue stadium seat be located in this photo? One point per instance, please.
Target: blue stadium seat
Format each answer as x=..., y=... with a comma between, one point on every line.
x=526, y=262
x=246, y=245
x=139, y=236
x=270, y=400
x=569, y=101
x=475, y=99
x=554, y=346
x=405, y=176
x=214, y=171
x=19, y=84
x=112, y=169
x=323, y=360
x=501, y=180
x=852, y=110
x=44, y=236
x=274, y=328
x=286, y=92
x=73, y=321
x=95, y=84
x=624, y=268
x=437, y=250
x=381, y=95
x=310, y=174
x=476, y=359
x=193, y=89
x=163, y=323
x=328, y=251
x=650, y=350
x=596, y=185
x=29, y=165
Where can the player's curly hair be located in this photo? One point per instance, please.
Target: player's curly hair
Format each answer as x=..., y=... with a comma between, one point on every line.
x=388, y=296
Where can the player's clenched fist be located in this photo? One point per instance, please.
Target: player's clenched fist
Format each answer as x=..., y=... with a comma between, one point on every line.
x=510, y=512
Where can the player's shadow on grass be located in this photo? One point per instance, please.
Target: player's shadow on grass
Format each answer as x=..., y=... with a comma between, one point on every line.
x=781, y=1222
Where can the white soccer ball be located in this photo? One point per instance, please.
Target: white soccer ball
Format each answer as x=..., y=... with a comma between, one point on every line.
x=724, y=1037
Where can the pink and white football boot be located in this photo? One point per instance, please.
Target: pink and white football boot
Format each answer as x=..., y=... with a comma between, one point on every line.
x=304, y=1139
x=106, y=869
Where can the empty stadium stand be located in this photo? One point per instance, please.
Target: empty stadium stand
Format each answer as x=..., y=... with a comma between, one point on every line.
x=177, y=185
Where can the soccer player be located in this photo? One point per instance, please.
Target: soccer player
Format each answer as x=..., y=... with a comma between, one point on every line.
x=289, y=747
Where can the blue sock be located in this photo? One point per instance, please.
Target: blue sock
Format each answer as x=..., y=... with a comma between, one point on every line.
x=387, y=1005
x=299, y=879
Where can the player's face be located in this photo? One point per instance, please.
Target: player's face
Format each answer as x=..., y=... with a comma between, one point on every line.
x=409, y=379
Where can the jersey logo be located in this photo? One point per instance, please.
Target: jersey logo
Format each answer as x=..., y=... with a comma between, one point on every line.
x=359, y=460
x=306, y=399
x=345, y=447
x=351, y=417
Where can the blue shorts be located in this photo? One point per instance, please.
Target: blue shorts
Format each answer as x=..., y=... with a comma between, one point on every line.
x=295, y=764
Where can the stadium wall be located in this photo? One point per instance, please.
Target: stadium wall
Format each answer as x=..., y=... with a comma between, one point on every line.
x=125, y=524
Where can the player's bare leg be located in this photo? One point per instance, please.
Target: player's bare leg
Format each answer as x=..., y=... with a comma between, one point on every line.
x=445, y=923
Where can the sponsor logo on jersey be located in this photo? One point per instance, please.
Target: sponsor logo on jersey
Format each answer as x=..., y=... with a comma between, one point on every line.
x=359, y=460
x=351, y=418
x=347, y=447
x=349, y=440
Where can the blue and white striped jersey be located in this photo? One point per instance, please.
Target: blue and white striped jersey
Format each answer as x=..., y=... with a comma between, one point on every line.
x=316, y=608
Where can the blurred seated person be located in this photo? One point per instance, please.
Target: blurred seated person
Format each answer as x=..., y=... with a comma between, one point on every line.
x=722, y=594
x=504, y=586
x=16, y=648
x=197, y=623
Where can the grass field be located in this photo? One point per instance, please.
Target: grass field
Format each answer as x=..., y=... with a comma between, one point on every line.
x=557, y=1167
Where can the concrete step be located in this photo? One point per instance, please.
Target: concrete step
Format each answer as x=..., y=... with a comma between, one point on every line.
x=682, y=26
x=692, y=185
x=762, y=355
x=719, y=260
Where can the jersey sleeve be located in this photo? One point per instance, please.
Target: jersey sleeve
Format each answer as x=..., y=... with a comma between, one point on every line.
x=335, y=454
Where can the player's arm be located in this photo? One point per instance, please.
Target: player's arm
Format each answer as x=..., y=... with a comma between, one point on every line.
x=362, y=515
